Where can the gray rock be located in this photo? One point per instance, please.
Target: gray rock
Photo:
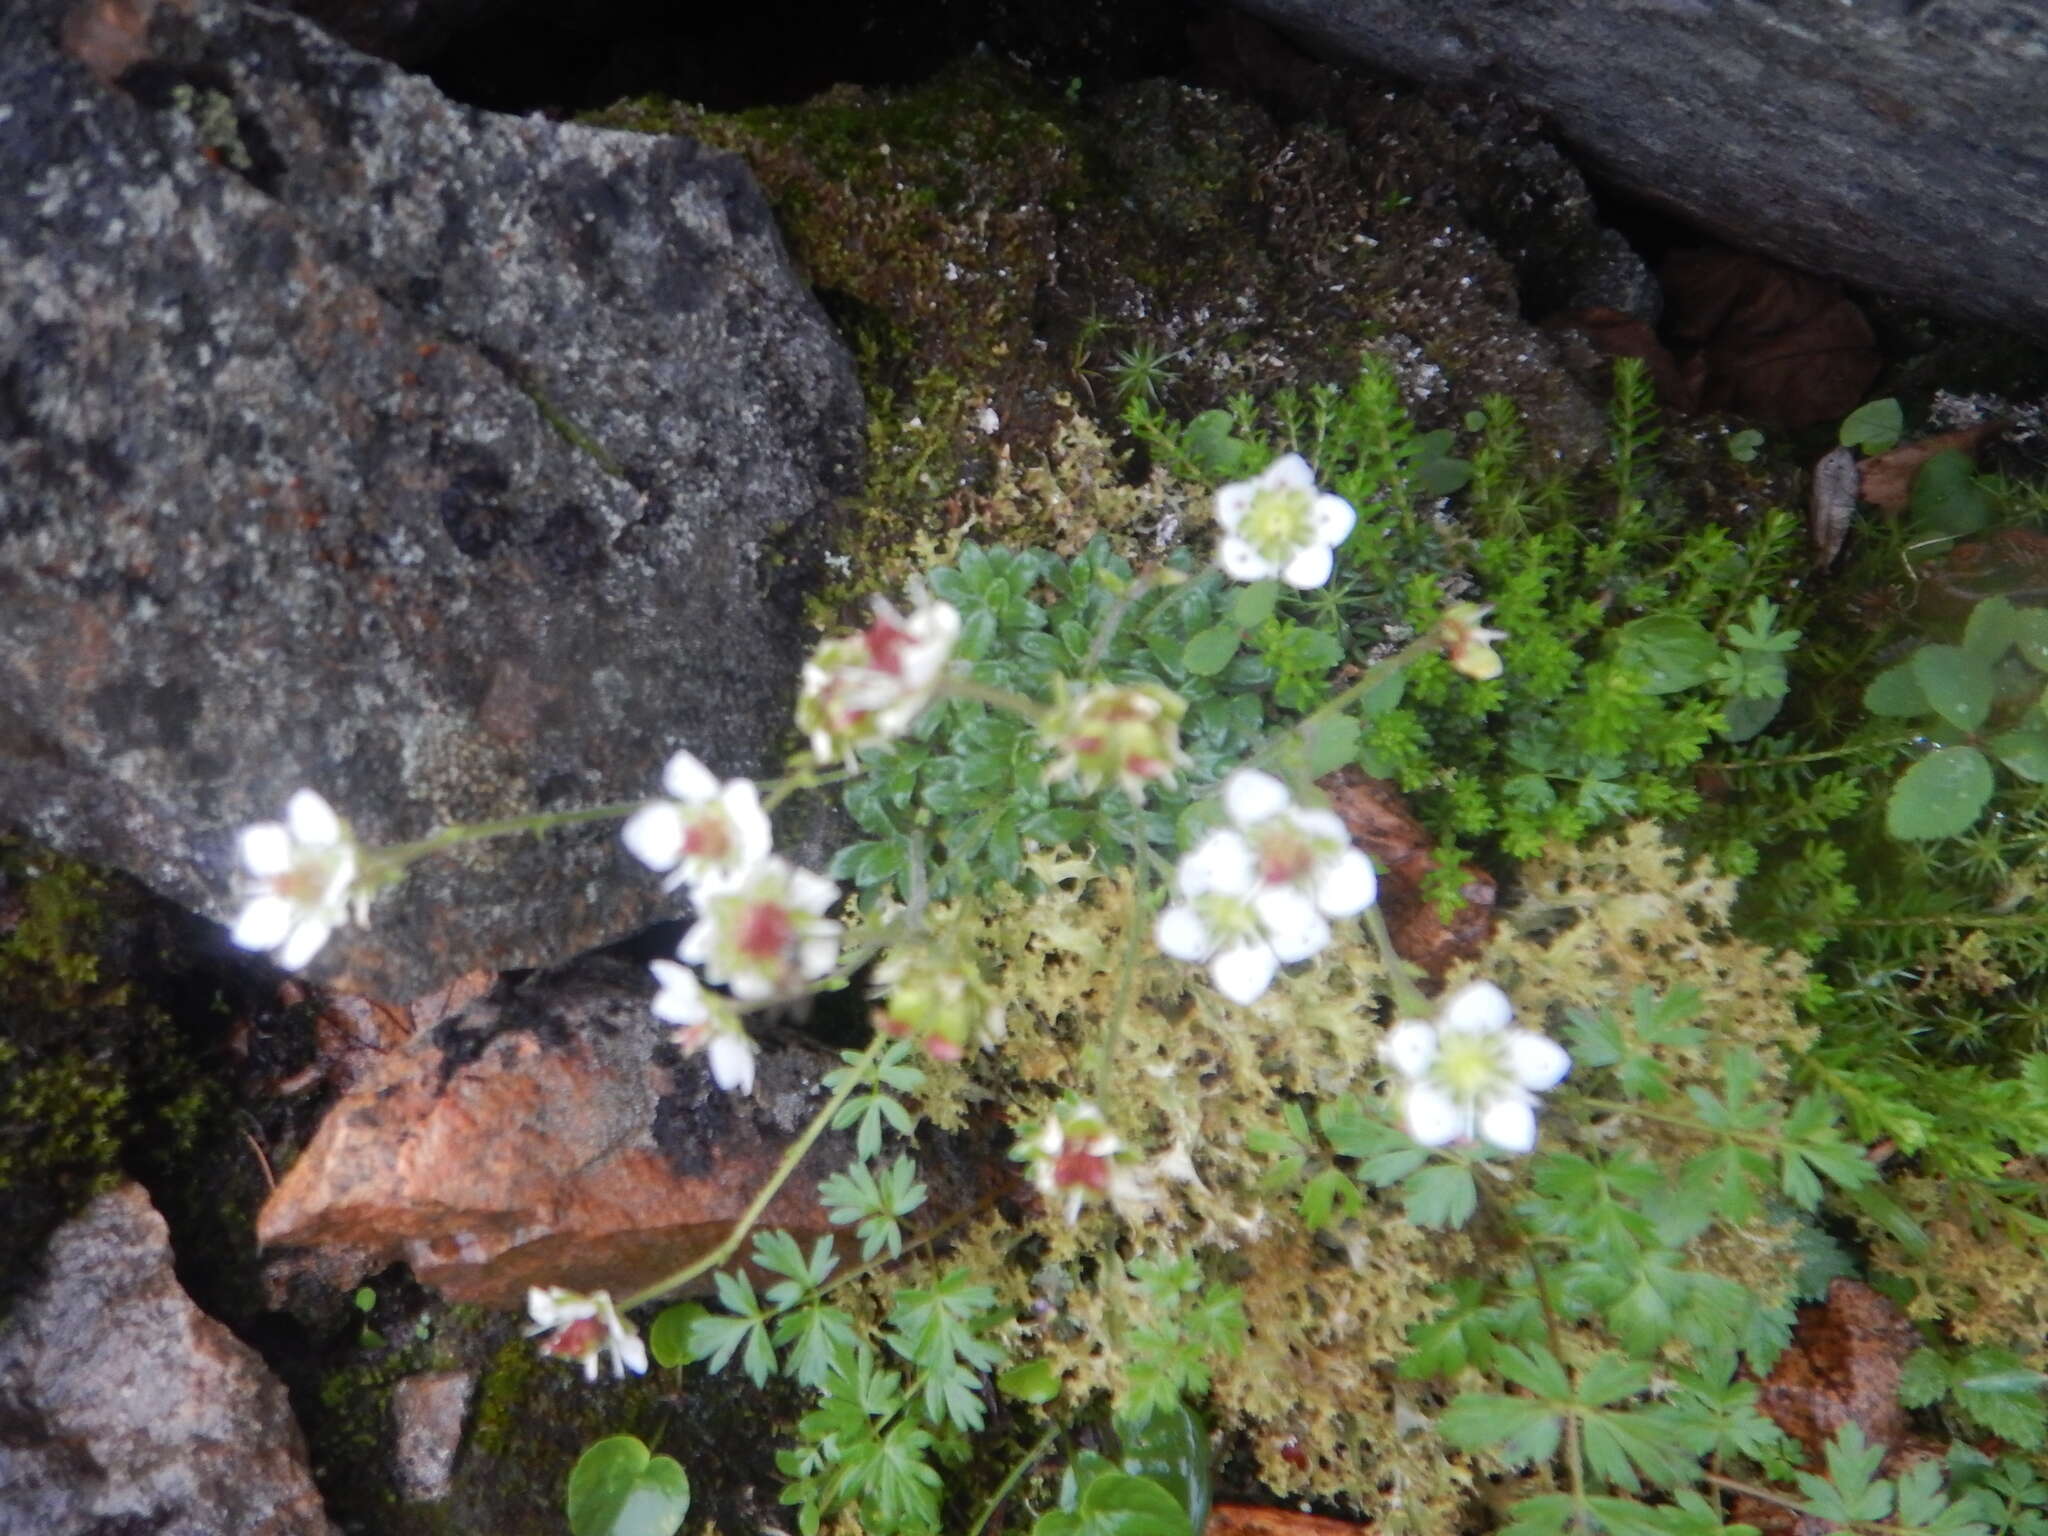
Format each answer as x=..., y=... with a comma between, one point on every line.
x=454, y=465
x=426, y=1419
x=123, y=1407
x=1898, y=145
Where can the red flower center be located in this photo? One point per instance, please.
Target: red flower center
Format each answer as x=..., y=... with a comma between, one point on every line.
x=886, y=643
x=765, y=932
x=707, y=838
x=1284, y=859
x=1077, y=1169
x=574, y=1340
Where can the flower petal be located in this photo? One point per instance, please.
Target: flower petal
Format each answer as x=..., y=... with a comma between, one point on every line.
x=732, y=1065
x=1310, y=567
x=1244, y=971
x=1241, y=562
x=654, y=835
x=312, y=820
x=1232, y=502
x=264, y=923
x=812, y=892
x=681, y=998
x=1477, y=1008
x=1180, y=932
x=1537, y=1061
x=686, y=777
x=1289, y=472
x=1410, y=1047
x=266, y=850
x=1222, y=861
x=304, y=943
x=1249, y=796
x=1510, y=1124
x=1347, y=886
x=1334, y=519
x=698, y=942
x=742, y=803
x=1291, y=922
x=1432, y=1117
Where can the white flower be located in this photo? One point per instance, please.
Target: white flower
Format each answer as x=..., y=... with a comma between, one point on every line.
x=1309, y=850
x=1126, y=732
x=1242, y=928
x=707, y=834
x=1072, y=1155
x=1469, y=1074
x=766, y=936
x=864, y=689
x=706, y=1022
x=582, y=1327
x=1280, y=525
x=301, y=875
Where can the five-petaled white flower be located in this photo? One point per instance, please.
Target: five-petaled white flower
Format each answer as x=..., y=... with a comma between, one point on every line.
x=707, y=834
x=1243, y=928
x=1072, y=1154
x=1279, y=524
x=768, y=935
x=1308, y=850
x=705, y=1022
x=1470, y=1074
x=863, y=689
x=584, y=1326
x=301, y=877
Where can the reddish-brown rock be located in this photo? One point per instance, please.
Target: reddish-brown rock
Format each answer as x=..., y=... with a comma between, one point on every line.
x=549, y=1134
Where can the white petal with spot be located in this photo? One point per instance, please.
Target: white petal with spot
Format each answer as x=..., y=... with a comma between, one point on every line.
x=1509, y=1124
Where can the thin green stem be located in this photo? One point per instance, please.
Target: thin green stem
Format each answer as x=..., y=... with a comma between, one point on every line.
x=953, y=686
x=762, y=1197
x=1374, y=675
x=1949, y=920
x=1016, y=1475
x=1135, y=929
x=1113, y=620
x=1408, y=999
x=398, y=855
x=1734, y=765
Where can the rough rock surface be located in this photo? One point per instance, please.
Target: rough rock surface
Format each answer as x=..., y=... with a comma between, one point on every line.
x=1898, y=146
x=427, y=1411
x=123, y=1407
x=551, y=1135
x=452, y=464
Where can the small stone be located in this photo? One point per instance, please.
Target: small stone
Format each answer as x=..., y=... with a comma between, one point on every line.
x=427, y=1412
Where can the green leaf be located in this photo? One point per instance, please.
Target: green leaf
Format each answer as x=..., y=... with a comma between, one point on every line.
x=1442, y=1195
x=668, y=1337
x=1669, y=651
x=1874, y=427
x=1939, y=796
x=1254, y=604
x=1957, y=684
x=1332, y=743
x=1520, y=1430
x=617, y=1488
x=1035, y=1381
x=1896, y=692
x=1171, y=1447
x=1744, y=719
x=1210, y=651
x=2025, y=752
x=2031, y=636
x=1992, y=630
x=1946, y=498
x=1120, y=1504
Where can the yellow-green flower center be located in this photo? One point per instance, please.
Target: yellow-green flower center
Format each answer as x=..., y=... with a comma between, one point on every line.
x=1468, y=1066
x=1281, y=521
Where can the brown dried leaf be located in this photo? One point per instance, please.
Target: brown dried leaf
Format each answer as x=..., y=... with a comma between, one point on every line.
x=1404, y=853
x=1831, y=506
x=2012, y=562
x=1777, y=344
x=1888, y=477
x=1618, y=334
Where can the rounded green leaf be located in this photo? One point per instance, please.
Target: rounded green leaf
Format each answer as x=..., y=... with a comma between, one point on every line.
x=1896, y=692
x=2031, y=625
x=1172, y=1449
x=1210, y=651
x=1993, y=628
x=1873, y=427
x=668, y=1338
x=1939, y=796
x=1254, y=605
x=618, y=1489
x=1035, y=1381
x=1671, y=652
x=1956, y=684
x=1118, y=1504
x=1946, y=497
x=1746, y=718
x=2024, y=752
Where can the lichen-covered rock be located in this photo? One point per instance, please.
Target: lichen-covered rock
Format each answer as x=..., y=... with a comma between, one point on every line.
x=452, y=464
x=1895, y=146
x=127, y=1408
x=550, y=1135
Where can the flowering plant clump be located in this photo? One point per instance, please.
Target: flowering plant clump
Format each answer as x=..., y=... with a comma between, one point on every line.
x=1471, y=1075
x=864, y=689
x=1294, y=848
x=1279, y=524
x=585, y=1327
x=1243, y=928
x=301, y=875
x=706, y=835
